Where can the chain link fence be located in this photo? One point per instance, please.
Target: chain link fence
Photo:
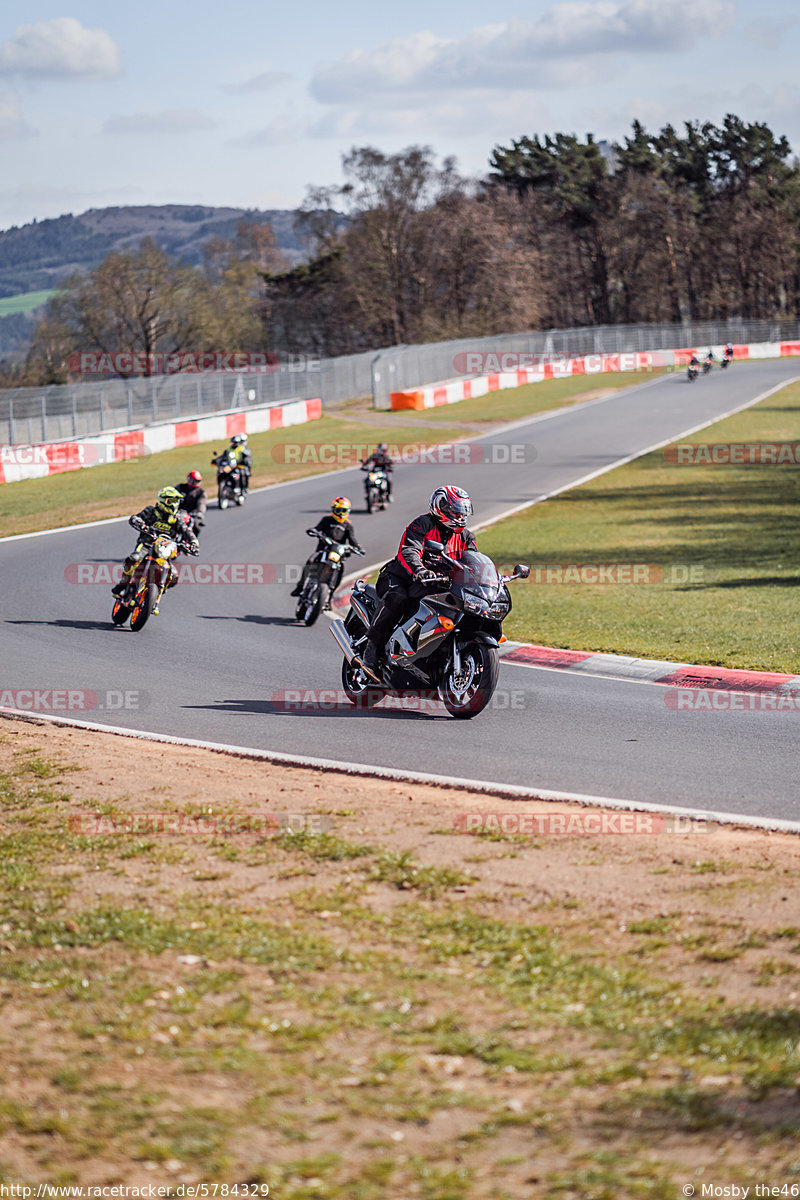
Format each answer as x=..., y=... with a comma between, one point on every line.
x=403, y=367
x=60, y=413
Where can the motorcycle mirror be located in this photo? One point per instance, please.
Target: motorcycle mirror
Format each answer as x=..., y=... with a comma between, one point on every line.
x=521, y=571
x=436, y=546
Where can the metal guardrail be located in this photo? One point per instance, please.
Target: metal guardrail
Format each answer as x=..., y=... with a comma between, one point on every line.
x=30, y=415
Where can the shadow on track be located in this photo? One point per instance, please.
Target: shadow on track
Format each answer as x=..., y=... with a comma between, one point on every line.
x=62, y=623
x=253, y=618
x=283, y=708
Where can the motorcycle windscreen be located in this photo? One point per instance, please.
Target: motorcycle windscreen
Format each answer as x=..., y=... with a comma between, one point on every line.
x=476, y=574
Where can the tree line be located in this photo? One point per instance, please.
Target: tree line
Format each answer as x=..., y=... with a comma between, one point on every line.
x=672, y=226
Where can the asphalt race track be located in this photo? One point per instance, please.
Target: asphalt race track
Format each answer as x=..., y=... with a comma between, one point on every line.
x=216, y=661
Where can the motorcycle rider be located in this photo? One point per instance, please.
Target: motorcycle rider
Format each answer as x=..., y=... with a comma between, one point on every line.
x=162, y=517
x=729, y=350
x=406, y=578
x=194, y=499
x=338, y=528
x=379, y=460
x=243, y=457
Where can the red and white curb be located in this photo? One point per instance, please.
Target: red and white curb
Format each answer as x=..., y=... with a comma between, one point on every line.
x=452, y=783
x=649, y=670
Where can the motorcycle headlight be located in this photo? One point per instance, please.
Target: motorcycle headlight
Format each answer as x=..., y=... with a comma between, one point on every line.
x=334, y=556
x=473, y=605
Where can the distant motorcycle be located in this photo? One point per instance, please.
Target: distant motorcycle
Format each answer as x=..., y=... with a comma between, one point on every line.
x=691, y=372
x=322, y=569
x=148, y=582
x=707, y=365
x=449, y=646
x=230, y=485
x=725, y=360
x=376, y=490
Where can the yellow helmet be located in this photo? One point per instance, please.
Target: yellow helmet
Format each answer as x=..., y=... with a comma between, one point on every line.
x=341, y=508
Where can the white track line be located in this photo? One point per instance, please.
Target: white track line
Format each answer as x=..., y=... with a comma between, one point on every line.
x=509, y=791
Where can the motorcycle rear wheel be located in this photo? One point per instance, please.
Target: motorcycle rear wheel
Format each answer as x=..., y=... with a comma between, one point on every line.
x=143, y=607
x=464, y=697
x=359, y=688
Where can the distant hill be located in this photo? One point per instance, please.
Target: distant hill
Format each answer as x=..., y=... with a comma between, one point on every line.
x=37, y=256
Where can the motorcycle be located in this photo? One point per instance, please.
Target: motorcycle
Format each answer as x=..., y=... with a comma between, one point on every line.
x=726, y=358
x=323, y=567
x=148, y=581
x=691, y=373
x=376, y=489
x=707, y=365
x=449, y=646
x=230, y=486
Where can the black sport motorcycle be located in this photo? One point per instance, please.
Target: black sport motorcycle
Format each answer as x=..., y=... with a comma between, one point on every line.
x=691, y=372
x=448, y=647
x=376, y=490
x=323, y=568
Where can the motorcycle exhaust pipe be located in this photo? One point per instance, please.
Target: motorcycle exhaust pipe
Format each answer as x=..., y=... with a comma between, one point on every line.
x=345, y=645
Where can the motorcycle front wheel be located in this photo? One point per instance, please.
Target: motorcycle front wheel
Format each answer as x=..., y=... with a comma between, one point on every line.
x=310, y=605
x=143, y=606
x=119, y=613
x=467, y=692
x=358, y=686
x=222, y=495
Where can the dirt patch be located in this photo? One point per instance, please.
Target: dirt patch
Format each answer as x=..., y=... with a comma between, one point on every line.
x=215, y=968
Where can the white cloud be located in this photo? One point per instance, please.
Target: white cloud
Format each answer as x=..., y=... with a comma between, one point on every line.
x=12, y=122
x=168, y=121
x=259, y=83
x=518, y=53
x=60, y=49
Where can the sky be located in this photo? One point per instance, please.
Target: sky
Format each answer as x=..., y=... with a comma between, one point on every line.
x=248, y=104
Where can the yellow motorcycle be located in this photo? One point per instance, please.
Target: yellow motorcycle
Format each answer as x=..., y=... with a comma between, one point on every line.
x=149, y=580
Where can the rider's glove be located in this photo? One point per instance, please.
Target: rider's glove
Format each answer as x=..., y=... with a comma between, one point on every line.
x=426, y=576
x=137, y=523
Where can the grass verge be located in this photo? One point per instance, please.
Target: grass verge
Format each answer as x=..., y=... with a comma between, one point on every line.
x=357, y=1014
x=717, y=547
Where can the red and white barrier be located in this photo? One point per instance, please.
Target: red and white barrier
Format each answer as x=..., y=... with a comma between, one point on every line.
x=51, y=458
x=550, y=366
